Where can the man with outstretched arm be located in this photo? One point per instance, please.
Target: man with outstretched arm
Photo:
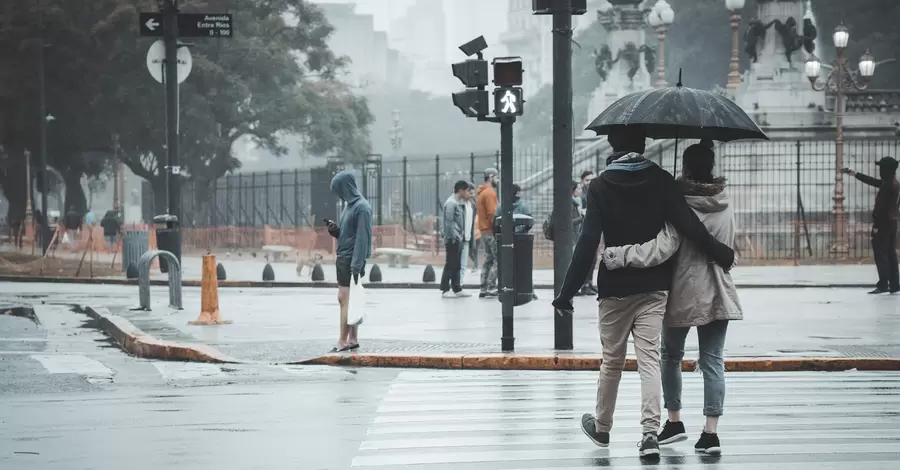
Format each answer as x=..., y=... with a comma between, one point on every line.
x=629, y=203
x=354, y=247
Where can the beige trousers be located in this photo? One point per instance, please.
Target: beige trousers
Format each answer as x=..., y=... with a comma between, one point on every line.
x=640, y=315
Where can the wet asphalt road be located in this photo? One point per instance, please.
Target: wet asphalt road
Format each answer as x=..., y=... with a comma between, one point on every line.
x=70, y=400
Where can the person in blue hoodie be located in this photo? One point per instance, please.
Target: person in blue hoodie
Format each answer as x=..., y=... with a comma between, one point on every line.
x=354, y=246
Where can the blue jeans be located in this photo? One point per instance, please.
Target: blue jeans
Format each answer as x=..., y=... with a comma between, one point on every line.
x=711, y=361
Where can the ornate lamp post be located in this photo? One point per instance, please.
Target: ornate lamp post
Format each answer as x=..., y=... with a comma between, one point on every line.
x=660, y=17
x=838, y=80
x=734, y=75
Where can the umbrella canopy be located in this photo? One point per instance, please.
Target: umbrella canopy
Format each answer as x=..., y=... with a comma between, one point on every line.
x=679, y=112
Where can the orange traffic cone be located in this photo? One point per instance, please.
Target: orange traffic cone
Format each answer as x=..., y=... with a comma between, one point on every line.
x=209, y=295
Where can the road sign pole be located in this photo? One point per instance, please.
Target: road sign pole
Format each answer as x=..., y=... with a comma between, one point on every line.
x=562, y=162
x=173, y=193
x=507, y=291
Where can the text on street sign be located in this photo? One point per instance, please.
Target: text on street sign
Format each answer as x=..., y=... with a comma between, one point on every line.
x=190, y=25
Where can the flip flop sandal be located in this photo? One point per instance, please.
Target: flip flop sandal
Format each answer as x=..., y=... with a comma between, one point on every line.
x=336, y=350
x=354, y=347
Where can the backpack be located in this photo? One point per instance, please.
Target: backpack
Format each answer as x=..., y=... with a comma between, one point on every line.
x=547, y=228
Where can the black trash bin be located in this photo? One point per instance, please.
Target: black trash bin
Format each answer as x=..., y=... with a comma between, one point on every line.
x=523, y=257
x=168, y=238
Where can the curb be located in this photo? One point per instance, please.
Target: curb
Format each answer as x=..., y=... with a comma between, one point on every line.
x=369, y=285
x=139, y=344
x=592, y=362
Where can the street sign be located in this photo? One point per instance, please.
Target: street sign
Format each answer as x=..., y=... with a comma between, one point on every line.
x=151, y=24
x=156, y=59
x=508, y=101
x=204, y=25
x=190, y=25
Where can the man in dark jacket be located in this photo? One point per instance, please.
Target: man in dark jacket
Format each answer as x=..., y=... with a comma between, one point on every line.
x=884, y=223
x=630, y=203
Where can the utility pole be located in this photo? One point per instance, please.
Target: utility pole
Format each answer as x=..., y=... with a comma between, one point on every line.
x=505, y=249
x=45, y=180
x=173, y=193
x=562, y=163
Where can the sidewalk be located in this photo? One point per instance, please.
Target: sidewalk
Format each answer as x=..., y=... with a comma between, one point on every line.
x=290, y=325
x=246, y=268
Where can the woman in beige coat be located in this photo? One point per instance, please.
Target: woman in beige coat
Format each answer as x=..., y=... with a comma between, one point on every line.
x=702, y=296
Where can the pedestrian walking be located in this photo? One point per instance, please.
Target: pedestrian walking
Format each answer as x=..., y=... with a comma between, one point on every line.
x=486, y=209
x=884, y=223
x=354, y=246
x=455, y=231
x=468, y=243
x=72, y=223
x=629, y=203
x=586, y=178
x=112, y=226
x=702, y=296
x=476, y=244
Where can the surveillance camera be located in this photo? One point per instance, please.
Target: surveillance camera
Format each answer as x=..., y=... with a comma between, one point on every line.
x=474, y=46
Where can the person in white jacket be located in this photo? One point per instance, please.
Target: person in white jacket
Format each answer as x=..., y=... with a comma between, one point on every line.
x=702, y=295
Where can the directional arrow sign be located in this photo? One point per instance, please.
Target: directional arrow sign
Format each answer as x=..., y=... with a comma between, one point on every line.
x=508, y=101
x=151, y=24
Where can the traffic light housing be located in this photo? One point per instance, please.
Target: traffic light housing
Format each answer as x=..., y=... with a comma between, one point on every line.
x=472, y=102
x=508, y=71
x=472, y=73
x=545, y=7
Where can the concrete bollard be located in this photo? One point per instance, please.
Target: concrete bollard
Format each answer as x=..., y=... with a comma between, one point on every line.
x=428, y=275
x=375, y=274
x=317, y=273
x=209, y=294
x=268, y=273
x=131, y=272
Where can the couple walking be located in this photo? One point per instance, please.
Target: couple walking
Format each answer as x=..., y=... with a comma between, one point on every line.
x=664, y=270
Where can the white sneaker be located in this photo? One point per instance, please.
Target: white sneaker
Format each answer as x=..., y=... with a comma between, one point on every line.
x=448, y=295
x=463, y=293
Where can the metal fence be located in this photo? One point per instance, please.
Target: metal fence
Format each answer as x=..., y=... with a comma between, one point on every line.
x=782, y=192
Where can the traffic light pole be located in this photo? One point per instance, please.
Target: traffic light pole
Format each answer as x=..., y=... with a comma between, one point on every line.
x=562, y=163
x=507, y=291
x=173, y=193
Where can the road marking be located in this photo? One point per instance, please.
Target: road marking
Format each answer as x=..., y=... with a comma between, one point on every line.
x=93, y=371
x=172, y=371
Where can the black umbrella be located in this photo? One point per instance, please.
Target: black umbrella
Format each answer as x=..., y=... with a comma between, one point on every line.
x=679, y=112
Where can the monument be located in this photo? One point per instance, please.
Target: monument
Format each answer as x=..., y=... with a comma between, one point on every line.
x=775, y=90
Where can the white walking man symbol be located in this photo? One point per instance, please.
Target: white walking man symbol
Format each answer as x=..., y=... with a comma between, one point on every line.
x=509, y=103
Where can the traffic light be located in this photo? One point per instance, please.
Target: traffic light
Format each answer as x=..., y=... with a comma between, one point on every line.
x=508, y=71
x=509, y=101
x=473, y=73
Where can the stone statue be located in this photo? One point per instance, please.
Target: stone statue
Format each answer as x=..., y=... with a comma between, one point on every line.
x=793, y=41
x=632, y=56
x=809, y=35
x=756, y=31
x=649, y=58
x=603, y=61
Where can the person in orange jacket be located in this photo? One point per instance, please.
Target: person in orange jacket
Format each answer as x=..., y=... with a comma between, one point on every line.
x=486, y=208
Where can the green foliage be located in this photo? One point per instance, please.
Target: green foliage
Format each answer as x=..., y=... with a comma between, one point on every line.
x=272, y=80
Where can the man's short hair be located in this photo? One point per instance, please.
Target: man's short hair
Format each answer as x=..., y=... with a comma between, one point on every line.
x=627, y=139
x=488, y=173
x=461, y=185
x=586, y=173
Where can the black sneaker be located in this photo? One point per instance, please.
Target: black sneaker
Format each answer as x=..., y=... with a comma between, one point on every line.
x=708, y=444
x=589, y=427
x=487, y=295
x=649, y=446
x=894, y=290
x=672, y=433
x=878, y=290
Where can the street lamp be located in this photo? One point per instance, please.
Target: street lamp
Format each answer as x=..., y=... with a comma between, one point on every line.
x=659, y=18
x=838, y=80
x=734, y=75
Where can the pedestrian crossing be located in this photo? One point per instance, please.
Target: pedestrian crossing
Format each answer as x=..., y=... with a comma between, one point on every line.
x=530, y=420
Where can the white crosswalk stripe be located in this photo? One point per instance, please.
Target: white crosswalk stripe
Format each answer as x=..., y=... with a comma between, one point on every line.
x=92, y=370
x=511, y=420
